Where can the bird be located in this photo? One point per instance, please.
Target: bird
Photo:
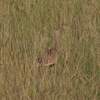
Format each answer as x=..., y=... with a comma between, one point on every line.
x=50, y=55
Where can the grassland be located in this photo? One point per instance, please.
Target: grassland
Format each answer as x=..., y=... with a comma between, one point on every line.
x=26, y=28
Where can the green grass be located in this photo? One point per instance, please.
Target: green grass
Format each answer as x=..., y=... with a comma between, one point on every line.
x=26, y=29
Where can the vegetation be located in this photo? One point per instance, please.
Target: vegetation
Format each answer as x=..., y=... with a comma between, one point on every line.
x=26, y=28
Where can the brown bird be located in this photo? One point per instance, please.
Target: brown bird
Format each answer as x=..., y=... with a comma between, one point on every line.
x=50, y=55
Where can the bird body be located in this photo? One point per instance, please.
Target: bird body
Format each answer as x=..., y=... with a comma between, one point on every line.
x=49, y=57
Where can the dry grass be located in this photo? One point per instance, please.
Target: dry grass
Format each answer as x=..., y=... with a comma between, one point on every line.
x=26, y=28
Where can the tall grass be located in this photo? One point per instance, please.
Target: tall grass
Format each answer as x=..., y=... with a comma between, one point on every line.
x=26, y=28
